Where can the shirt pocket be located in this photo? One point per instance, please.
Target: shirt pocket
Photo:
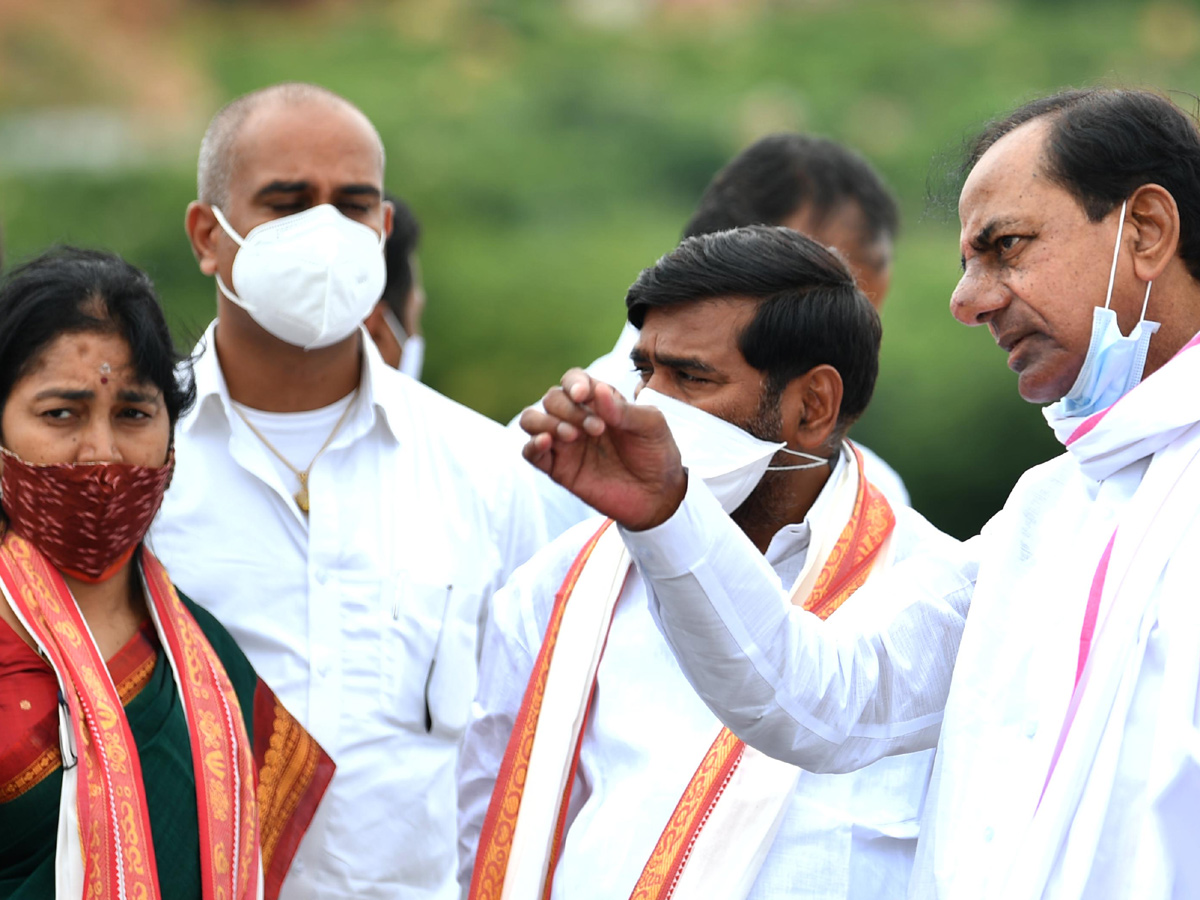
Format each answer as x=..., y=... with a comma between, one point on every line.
x=429, y=670
x=411, y=614
x=454, y=670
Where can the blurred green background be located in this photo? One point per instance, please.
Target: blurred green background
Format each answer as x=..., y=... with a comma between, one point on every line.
x=553, y=149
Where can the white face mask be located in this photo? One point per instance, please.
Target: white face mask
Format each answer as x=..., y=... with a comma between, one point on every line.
x=412, y=346
x=310, y=279
x=728, y=459
x=1113, y=365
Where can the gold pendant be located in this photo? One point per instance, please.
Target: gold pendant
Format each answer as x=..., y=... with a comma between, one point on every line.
x=301, y=496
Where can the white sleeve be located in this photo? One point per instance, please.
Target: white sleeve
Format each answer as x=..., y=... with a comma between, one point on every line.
x=513, y=636
x=827, y=696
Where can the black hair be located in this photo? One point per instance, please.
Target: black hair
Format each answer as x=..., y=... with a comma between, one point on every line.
x=810, y=312
x=1104, y=143
x=67, y=290
x=776, y=176
x=397, y=254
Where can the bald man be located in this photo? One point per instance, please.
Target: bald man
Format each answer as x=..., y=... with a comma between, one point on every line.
x=339, y=518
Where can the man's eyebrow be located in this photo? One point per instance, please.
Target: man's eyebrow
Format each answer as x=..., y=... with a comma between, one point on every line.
x=359, y=190
x=984, y=236
x=982, y=239
x=64, y=394
x=638, y=355
x=283, y=187
x=691, y=363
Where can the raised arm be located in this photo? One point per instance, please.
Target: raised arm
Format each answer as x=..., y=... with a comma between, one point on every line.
x=826, y=695
x=829, y=696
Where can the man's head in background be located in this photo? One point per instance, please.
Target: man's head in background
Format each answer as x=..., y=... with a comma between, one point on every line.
x=395, y=322
x=815, y=186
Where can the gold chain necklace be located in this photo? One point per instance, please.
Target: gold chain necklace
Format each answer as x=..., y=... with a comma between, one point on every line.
x=301, y=496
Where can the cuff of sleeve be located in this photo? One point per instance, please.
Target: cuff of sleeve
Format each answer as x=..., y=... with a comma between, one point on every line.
x=677, y=545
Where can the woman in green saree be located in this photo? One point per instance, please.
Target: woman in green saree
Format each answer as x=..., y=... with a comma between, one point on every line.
x=140, y=755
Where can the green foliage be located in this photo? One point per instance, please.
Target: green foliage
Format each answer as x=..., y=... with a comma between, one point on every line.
x=550, y=157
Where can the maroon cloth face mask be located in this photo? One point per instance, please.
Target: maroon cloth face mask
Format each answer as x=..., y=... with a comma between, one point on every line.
x=86, y=518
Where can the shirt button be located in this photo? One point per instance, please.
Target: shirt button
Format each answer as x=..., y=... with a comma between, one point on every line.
x=1031, y=730
x=988, y=834
x=322, y=576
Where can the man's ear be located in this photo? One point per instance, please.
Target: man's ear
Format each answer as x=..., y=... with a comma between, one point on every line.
x=389, y=217
x=1156, y=216
x=809, y=407
x=203, y=231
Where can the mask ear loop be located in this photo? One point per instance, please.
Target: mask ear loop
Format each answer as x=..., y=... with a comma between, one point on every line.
x=1112, y=275
x=237, y=239
x=220, y=217
x=393, y=322
x=1146, y=300
x=819, y=461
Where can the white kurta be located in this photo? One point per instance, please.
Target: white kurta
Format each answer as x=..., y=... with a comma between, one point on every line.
x=827, y=697
x=842, y=835
x=362, y=617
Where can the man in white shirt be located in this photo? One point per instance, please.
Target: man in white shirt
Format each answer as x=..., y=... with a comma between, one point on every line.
x=1068, y=760
x=343, y=521
x=758, y=348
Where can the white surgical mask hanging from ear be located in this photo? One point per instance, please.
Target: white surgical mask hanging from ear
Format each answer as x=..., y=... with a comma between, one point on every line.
x=310, y=279
x=1114, y=362
x=728, y=459
x=412, y=346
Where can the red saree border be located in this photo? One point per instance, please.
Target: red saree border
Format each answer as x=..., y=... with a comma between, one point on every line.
x=495, y=839
x=293, y=773
x=221, y=757
x=114, y=823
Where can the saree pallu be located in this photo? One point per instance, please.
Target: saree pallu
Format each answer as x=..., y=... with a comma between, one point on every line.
x=290, y=770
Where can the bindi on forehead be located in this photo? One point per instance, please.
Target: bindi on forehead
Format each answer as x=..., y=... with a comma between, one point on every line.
x=84, y=357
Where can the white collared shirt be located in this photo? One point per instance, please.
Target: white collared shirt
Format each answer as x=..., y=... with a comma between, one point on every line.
x=363, y=616
x=843, y=836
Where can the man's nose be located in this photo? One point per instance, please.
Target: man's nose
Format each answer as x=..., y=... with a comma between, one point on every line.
x=976, y=298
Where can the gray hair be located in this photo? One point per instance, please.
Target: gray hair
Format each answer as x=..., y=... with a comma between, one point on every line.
x=215, y=166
